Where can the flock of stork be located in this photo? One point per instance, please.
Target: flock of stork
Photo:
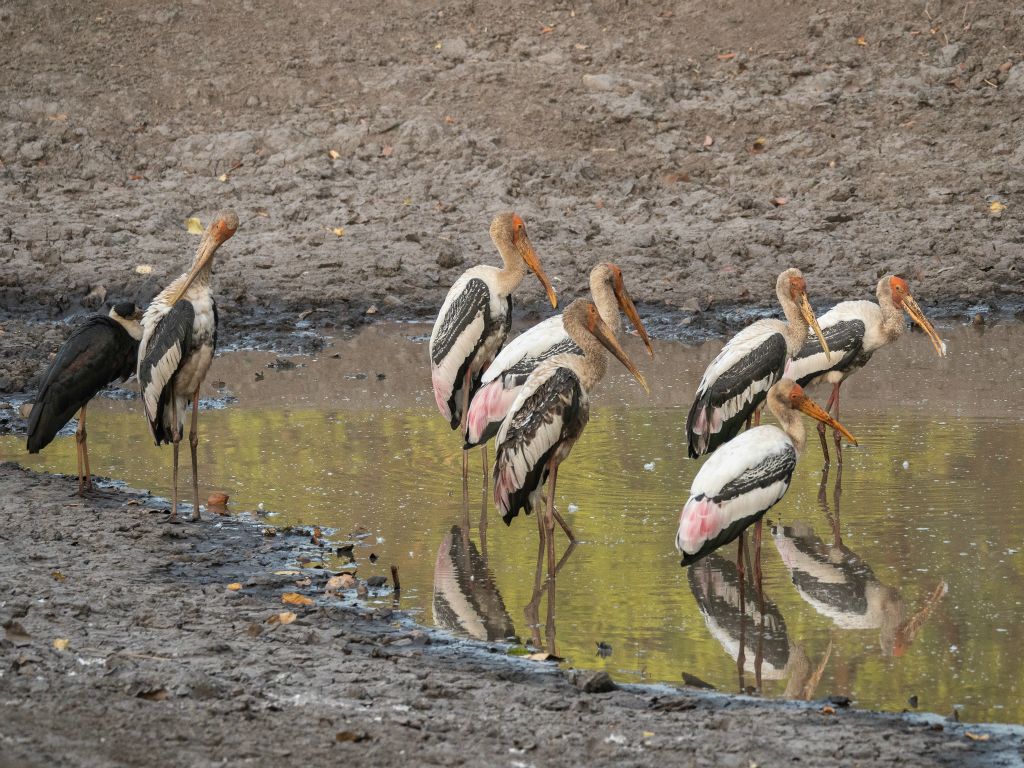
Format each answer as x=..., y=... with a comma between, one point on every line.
x=532, y=397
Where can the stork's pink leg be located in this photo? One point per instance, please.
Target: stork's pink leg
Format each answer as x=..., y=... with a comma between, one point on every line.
x=84, y=477
x=555, y=512
x=835, y=432
x=175, y=439
x=193, y=442
x=757, y=417
x=462, y=432
x=821, y=425
x=549, y=518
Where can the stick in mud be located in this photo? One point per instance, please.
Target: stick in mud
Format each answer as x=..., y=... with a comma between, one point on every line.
x=394, y=579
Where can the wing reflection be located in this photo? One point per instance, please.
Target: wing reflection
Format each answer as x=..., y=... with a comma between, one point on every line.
x=466, y=598
x=838, y=584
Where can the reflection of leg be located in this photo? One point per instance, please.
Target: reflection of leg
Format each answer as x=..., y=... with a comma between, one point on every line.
x=531, y=612
x=837, y=535
x=193, y=442
x=483, y=507
x=835, y=432
x=80, y=448
x=550, y=627
x=757, y=554
x=741, y=658
x=175, y=439
x=85, y=450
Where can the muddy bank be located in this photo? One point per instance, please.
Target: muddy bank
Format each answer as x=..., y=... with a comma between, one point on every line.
x=163, y=663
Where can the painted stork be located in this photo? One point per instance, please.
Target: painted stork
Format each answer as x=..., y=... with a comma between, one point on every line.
x=735, y=488
x=98, y=352
x=475, y=319
x=734, y=384
x=508, y=373
x=179, y=336
x=548, y=417
x=855, y=330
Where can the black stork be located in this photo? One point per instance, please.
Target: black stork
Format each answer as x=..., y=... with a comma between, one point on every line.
x=98, y=352
x=179, y=336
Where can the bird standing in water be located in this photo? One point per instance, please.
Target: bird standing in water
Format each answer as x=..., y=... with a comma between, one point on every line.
x=179, y=336
x=474, y=322
x=98, y=352
x=735, y=488
x=734, y=384
x=854, y=331
x=549, y=416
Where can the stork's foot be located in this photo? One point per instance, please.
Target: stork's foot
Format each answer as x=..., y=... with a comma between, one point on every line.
x=196, y=517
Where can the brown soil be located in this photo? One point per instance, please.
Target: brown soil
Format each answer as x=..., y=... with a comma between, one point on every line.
x=164, y=665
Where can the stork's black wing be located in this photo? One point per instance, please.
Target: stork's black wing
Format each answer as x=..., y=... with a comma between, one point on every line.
x=845, y=341
x=735, y=388
x=96, y=353
x=169, y=344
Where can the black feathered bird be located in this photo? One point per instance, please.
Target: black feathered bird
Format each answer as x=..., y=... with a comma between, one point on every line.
x=98, y=352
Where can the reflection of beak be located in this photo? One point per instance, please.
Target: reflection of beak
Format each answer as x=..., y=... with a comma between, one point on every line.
x=533, y=262
x=815, y=411
x=627, y=306
x=918, y=317
x=605, y=336
x=216, y=234
x=812, y=321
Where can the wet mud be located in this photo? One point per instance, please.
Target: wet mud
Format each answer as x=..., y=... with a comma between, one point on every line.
x=164, y=663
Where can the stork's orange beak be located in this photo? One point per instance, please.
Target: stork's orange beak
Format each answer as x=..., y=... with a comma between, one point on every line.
x=605, y=335
x=808, y=314
x=912, y=309
x=533, y=262
x=216, y=234
x=815, y=411
x=626, y=304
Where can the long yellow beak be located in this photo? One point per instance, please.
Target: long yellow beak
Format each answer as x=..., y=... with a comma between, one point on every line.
x=815, y=411
x=812, y=322
x=918, y=317
x=627, y=306
x=216, y=234
x=533, y=262
x=605, y=336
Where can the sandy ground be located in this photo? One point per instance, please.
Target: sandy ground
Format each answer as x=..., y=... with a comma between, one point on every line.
x=656, y=135
x=164, y=665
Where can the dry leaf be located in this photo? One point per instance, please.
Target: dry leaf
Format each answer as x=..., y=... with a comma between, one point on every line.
x=235, y=586
x=759, y=145
x=543, y=657
x=304, y=582
x=339, y=582
x=217, y=499
x=779, y=201
x=708, y=141
x=59, y=117
x=860, y=40
x=58, y=576
x=285, y=617
x=996, y=207
x=194, y=225
x=61, y=644
x=449, y=120
x=143, y=269
x=339, y=231
x=977, y=736
x=827, y=710
x=726, y=56
x=546, y=30
x=334, y=154
x=294, y=598
x=648, y=734
x=157, y=694
x=287, y=573
x=355, y=736
x=222, y=177
x=387, y=150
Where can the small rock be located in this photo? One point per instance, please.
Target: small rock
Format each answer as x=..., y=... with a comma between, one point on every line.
x=598, y=82
x=33, y=150
x=376, y=581
x=594, y=682
x=454, y=48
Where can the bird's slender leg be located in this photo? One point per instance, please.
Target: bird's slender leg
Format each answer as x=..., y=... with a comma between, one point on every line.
x=757, y=554
x=549, y=518
x=85, y=450
x=193, y=442
x=84, y=480
x=821, y=425
x=757, y=417
x=557, y=515
x=462, y=434
x=750, y=419
x=175, y=439
x=483, y=505
x=835, y=432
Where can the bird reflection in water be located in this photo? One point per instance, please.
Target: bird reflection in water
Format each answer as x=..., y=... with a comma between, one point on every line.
x=751, y=629
x=839, y=585
x=466, y=598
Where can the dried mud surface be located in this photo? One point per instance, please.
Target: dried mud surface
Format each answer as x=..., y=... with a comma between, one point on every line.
x=889, y=130
x=166, y=666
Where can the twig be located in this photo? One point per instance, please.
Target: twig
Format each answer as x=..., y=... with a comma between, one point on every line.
x=394, y=579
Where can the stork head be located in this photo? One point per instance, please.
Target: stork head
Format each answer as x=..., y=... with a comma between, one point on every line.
x=611, y=276
x=585, y=313
x=508, y=232
x=222, y=228
x=787, y=394
x=128, y=316
x=899, y=291
x=791, y=285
